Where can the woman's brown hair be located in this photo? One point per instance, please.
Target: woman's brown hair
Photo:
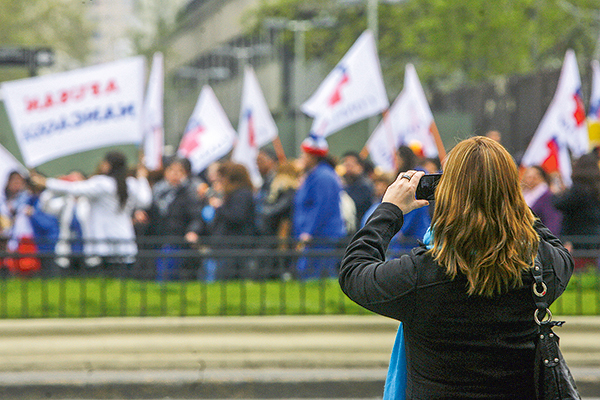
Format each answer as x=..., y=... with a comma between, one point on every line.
x=235, y=176
x=482, y=226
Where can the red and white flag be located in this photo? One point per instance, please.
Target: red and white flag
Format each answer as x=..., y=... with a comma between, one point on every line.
x=154, y=140
x=563, y=128
x=209, y=134
x=256, y=126
x=353, y=91
x=408, y=122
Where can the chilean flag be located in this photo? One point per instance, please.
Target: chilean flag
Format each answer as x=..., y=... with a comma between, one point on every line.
x=209, y=134
x=562, y=133
x=352, y=91
x=256, y=126
x=192, y=139
x=336, y=96
x=409, y=121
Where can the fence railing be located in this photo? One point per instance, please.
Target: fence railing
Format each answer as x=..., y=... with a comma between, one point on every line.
x=232, y=276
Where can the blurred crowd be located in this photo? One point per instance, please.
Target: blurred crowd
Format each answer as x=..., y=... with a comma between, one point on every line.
x=305, y=207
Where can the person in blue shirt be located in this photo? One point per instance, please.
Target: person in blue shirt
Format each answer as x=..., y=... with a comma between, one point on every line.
x=318, y=221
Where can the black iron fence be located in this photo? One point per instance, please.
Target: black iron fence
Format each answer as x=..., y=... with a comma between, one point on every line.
x=233, y=276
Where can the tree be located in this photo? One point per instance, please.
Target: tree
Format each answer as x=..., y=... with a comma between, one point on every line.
x=155, y=21
x=58, y=24
x=452, y=42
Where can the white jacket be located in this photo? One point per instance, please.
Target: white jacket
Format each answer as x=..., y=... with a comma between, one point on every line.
x=110, y=226
x=64, y=207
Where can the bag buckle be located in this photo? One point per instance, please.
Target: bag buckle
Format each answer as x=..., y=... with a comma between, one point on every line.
x=546, y=318
x=540, y=293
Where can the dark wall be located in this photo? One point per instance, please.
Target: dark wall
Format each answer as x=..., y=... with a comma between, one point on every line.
x=514, y=106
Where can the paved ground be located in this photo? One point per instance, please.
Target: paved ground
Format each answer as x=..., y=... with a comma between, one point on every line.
x=224, y=357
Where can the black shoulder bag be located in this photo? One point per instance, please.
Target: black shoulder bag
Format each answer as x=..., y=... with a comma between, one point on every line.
x=552, y=377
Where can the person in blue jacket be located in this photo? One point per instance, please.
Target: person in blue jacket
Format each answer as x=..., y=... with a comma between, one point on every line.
x=45, y=233
x=318, y=221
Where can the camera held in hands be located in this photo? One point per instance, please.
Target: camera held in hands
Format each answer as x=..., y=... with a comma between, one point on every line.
x=426, y=187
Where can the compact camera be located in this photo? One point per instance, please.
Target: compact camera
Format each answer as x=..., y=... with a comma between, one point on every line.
x=426, y=186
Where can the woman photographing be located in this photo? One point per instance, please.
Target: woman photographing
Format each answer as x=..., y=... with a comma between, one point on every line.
x=464, y=296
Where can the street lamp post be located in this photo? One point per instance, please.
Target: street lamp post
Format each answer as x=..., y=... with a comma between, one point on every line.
x=373, y=18
x=299, y=28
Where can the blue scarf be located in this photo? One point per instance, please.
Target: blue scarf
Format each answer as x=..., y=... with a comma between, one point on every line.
x=395, y=381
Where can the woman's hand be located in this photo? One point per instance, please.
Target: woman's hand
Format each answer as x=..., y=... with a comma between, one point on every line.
x=37, y=179
x=141, y=171
x=402, y=191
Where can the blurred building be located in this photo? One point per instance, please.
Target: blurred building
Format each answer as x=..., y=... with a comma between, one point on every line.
x=212, y=45
x=113, y=23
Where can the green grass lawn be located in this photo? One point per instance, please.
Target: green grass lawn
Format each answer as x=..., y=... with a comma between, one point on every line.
x=101, y=297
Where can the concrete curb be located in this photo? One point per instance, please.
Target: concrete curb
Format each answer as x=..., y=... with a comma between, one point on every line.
x=224, y=357
x=214, y=384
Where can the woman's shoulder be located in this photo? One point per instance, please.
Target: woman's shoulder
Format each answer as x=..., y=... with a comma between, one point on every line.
x=427, y=270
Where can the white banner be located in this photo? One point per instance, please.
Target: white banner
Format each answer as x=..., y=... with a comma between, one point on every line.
x=408, y=121
x=256, y=126
x=353, y=91
x=209, y=134
x=563, y=126
x=60, y=114
x=154, y=137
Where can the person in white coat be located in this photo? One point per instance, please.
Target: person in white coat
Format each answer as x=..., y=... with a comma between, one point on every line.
x=113, y=196
x=73, y=216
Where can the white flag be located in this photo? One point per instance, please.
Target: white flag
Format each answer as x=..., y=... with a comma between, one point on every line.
x=353, y=91
x=408, y=121
x=9, y=163
x=65, y=113
x=563, y=126
x=154, y=140
x=209, y=134
x=594, y=111
x=256, y=126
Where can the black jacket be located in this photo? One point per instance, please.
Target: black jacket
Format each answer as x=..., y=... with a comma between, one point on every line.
x=581, y=211
x=174, y=211
x=458, y=346
x=236, y=217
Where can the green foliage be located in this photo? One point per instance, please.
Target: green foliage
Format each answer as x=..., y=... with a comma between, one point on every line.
x=156, y=24
x=582, y=296
x=453, y=42
x=58, y=24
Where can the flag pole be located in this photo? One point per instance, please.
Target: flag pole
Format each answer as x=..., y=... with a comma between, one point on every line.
x=438, y=141
x=365, y=151
x=279, y=149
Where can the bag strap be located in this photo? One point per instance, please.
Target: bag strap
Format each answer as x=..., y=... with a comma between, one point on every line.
x=539, y=291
